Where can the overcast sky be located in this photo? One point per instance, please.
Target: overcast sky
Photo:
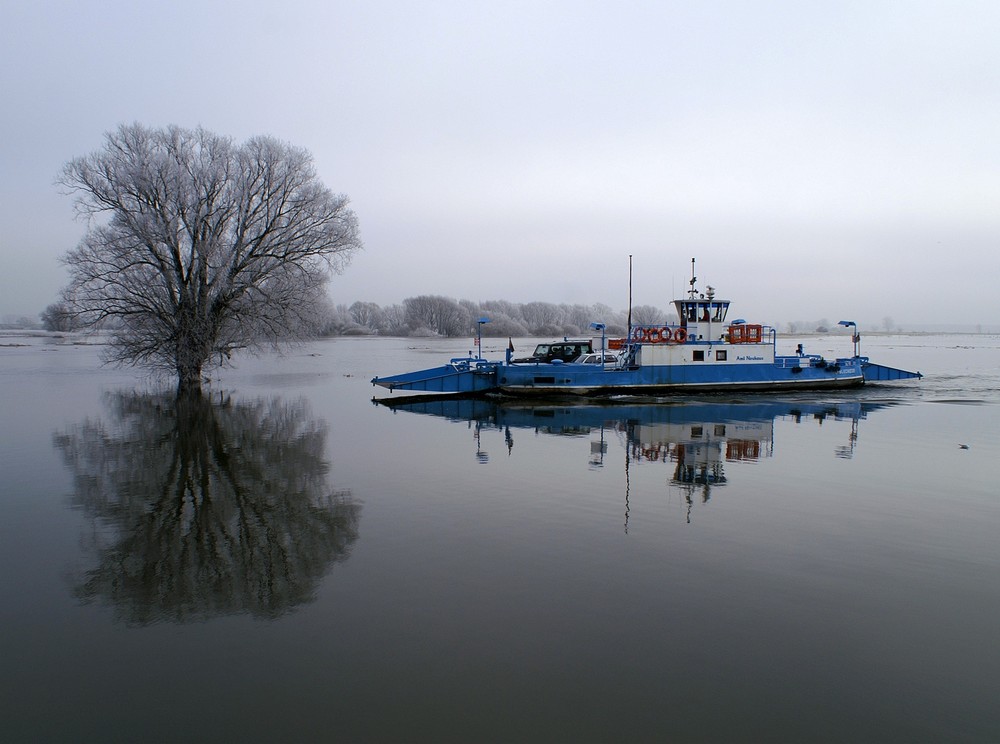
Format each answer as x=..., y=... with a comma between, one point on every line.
x=820, y=159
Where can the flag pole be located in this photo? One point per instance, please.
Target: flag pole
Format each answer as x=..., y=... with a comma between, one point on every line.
x=630, y=296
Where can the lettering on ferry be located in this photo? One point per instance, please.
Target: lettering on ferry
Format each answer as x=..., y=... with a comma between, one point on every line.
x=749, y=358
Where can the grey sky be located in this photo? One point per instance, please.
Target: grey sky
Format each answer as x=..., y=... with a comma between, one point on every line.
x=820, y=159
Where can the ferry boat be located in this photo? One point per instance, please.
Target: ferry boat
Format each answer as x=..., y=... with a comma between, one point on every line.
x=704, y=352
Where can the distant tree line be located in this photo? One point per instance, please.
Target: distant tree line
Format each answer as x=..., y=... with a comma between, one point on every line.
x=433, y=315
x=18, y=323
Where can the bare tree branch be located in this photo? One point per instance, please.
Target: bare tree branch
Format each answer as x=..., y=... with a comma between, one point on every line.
x=205, y=246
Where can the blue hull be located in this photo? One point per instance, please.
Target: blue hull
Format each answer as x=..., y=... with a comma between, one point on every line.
x=474, y=377
x=548, y=379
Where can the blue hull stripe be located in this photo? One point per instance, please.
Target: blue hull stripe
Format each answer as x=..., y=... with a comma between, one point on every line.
x=482, y=377
x=569, y=378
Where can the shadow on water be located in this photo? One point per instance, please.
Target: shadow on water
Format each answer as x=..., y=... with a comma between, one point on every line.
x=204, y=507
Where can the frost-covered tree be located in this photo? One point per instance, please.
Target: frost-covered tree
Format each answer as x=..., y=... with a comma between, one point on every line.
x=393, y=321
x=367, y=315
x=337, y=320
x=441, y=315
x=198, y=246
x=57, y=317
x=648, y=315
x=543, y=318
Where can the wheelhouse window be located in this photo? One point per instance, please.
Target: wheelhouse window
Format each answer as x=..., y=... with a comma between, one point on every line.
x=694, y=311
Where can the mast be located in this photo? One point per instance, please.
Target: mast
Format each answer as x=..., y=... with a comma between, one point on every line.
x=630, y=295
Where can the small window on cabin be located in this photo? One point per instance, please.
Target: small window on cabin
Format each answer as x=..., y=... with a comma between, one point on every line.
x=720, y=355
x=697, y=432
x=720, y=430
x=698, y=356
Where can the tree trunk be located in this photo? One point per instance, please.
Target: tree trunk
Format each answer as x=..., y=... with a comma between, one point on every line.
x=189, y=354
x=188, y=380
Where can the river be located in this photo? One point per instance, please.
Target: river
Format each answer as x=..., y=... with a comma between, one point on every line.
x=288, y=561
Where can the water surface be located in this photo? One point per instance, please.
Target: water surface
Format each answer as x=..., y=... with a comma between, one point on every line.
x=288, y=561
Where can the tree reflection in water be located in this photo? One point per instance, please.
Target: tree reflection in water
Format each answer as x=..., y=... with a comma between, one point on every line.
x=205, y=507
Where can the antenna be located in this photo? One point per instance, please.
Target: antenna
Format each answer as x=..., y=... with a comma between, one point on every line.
x=693, y=291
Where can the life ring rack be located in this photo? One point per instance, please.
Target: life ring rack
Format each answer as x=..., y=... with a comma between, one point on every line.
x=662, y=335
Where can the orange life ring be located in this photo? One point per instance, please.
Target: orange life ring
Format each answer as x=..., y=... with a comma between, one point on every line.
x=680, y=335
x=665, y=335
x=653, y=335
x=639, y=335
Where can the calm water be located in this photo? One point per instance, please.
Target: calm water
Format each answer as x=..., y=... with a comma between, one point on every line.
x=293, y=563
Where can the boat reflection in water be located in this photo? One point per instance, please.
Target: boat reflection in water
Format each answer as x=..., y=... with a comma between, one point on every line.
x=695, y=438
